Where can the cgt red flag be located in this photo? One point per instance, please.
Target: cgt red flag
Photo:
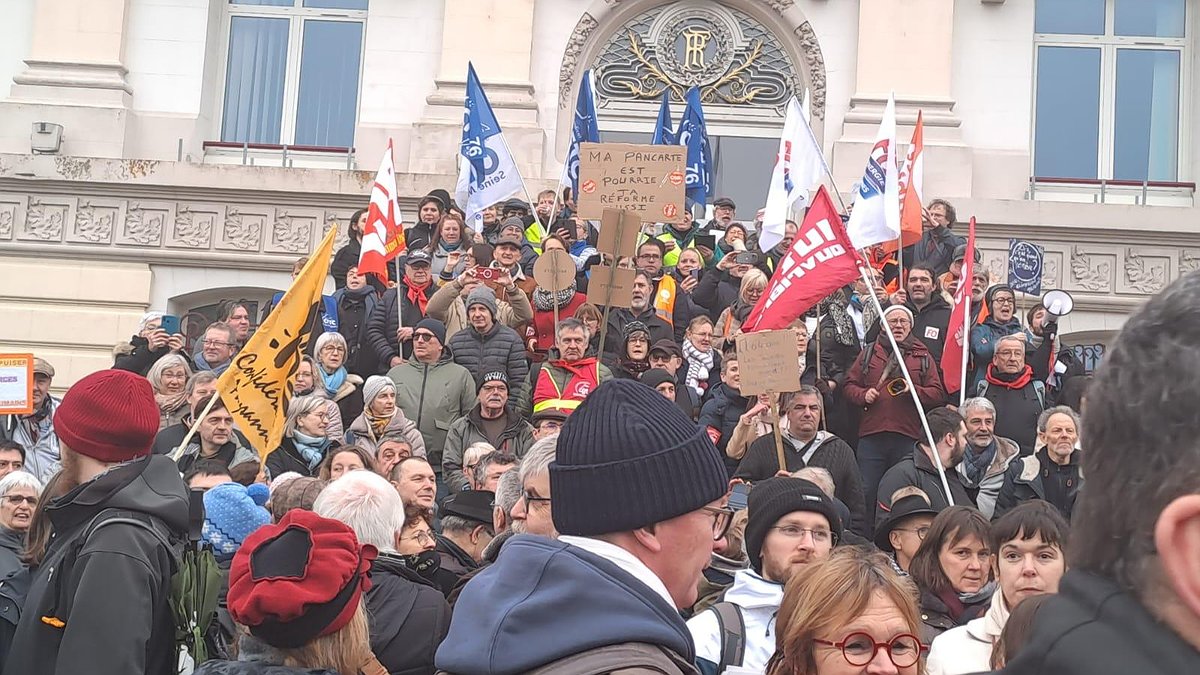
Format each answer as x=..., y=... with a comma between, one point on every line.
x=383, y=233
x=953, y=368
x=821, y=260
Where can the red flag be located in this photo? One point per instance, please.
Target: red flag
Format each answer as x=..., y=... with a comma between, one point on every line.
x=952, y=353
x=380, y=241
x=912, y=180
x=821, y=260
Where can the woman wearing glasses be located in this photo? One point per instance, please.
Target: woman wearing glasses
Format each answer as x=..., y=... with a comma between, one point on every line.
x=305, y=439
x=19, y=494
x=331, y=380
x=850, y=614
x=169, y=377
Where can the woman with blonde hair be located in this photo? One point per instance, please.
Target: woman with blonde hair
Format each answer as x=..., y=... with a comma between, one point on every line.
x=846, y=614
x=342, y=460
x=168, y=376
x=305, y=438
x=298, y=588
x=729, y=324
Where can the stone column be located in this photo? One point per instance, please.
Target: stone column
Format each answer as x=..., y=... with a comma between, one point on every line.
x=497, y=36
x=906, y=48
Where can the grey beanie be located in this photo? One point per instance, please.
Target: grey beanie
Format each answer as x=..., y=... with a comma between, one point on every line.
x=626, y=458
x=482, y=295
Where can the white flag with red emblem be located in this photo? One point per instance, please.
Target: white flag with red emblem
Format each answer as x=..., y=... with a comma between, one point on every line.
x=383, y=234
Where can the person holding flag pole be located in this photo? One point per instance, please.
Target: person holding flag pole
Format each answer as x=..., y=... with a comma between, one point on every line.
x=258, y=385
x=957, y=350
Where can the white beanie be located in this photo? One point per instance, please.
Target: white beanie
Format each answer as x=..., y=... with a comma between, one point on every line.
x=898, y=308
x=375, y=385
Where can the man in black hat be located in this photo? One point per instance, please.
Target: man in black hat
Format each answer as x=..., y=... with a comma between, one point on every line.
x=610, y=588
x=390, y=337
x=491, y=421
x=514, y=208
x=466, y=531
x=791, y=524
x=666, y=355
x=547, y=422
x=901, y=532
x=724, y=212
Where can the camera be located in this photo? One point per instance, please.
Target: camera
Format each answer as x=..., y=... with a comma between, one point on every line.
x=488, y=273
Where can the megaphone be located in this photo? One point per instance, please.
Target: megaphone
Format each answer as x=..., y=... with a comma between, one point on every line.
x=1058, y=303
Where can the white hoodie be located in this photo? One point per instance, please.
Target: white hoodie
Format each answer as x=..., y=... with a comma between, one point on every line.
x=759, y=601
x=968, y=649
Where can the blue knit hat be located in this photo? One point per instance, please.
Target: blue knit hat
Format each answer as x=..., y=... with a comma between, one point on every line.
x=626, y=458
x=231, y=513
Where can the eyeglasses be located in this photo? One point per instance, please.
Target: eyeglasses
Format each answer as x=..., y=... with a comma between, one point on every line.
x=531, y=500
x=859, y=649
x=333, y=349
x=550, y=425
x=16, y=500
x=919, y=531
x=722, y=518
x=793, y=532
x=1003, y=301
x=423, y=337
x=217, y=343
x=421, y=537
x=649, y=256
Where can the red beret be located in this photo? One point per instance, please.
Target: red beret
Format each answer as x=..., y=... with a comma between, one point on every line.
x=298, y=579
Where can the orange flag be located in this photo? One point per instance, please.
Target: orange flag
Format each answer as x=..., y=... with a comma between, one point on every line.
x=912, y=178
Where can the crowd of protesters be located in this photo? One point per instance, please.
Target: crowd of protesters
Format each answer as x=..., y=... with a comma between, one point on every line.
x=465, y=486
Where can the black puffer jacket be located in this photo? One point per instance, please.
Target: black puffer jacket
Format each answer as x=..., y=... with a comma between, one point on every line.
x=141, y=357
x=716, y=291
x=111, y=589
x=498, y=349
x=929, y=324
x=383, y=324
x=354, y=309
x=720, y=416
x=409, y=617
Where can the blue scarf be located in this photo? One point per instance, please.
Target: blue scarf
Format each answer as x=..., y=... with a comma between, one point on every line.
x=975, y=465
x=201, y=364
x=449, y=247
x=333, y=381
x=311, y=448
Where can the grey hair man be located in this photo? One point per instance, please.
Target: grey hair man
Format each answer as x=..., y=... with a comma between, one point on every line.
x=409, y=617
x=1018, y=396
x=533, y=512
x=1051, y=474
x=490, y=468
x=987, y=456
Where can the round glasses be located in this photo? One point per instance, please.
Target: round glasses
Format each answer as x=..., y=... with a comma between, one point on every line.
x=859, y=649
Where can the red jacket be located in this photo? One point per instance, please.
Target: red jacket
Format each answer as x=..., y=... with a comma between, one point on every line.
x=539, y=338
x=894, y=413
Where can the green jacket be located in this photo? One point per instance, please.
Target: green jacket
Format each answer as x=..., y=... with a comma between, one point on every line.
x=515, y=440
x=433, y=397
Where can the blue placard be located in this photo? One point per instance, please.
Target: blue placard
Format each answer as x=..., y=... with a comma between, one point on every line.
x=1025, y=266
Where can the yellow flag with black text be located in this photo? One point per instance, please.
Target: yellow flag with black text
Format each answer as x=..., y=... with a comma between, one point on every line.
x=258, y=384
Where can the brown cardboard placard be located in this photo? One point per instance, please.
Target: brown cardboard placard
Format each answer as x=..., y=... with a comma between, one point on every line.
x=615, y=222
x=646, y=179
x=621, y=285
x=554, y=270
x=768, y=362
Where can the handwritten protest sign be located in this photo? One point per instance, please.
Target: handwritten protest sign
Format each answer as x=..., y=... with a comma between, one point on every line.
x=767, y=361
x=16, y=384
x=1025, y=266
x=646, y=179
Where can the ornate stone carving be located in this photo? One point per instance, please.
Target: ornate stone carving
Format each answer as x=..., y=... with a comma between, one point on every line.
x=8, y=213
x=143, y=227
x=291, y=234
x=780, y=6
x=1145, y=274
x=44, y=221
x=1050, y=271
x=240, y=231
x=811, y=47
x=343, y=227
x=73, y=168
x=1189, y=261
x=93, y=223
x=192, y=229
x=1089, y=274
x=575, y=43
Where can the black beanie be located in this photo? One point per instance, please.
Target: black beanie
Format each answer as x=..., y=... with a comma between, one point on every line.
x=626, y=458
x=773, y=499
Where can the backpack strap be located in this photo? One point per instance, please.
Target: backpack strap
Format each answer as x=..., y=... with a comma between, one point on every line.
x=732, y=628
x=1039, y=388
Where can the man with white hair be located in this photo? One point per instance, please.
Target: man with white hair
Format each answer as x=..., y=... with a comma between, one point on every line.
x=409, y=617
x=1018, y=396
x=533, y=512
x=987, y=455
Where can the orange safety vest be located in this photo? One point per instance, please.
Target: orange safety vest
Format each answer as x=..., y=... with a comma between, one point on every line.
x=664, y=299
x=583, y=380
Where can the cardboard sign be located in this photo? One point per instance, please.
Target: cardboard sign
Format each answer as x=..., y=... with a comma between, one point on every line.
x=16, y=384
x=768, y=362
x=554, y=270
x=646, y=179
x=619, y=232
x=615, y=280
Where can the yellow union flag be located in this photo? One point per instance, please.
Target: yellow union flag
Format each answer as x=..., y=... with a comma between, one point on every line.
x=258, y=385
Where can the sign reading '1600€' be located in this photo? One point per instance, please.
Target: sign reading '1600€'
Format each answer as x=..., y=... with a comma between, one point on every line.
x=646, y=179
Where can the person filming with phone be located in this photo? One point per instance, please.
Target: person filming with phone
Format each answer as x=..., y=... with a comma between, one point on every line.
x=158, y=335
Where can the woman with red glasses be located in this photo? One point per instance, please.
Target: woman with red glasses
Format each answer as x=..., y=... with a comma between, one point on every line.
x=850, y=614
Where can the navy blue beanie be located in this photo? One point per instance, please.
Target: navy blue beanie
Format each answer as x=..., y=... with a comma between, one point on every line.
x=626, y=458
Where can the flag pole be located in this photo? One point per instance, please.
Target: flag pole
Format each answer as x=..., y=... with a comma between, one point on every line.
x=966, y=351
x=195, y=426
x=883, y=328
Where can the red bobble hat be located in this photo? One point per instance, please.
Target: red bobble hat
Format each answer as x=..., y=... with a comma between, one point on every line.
x=299, y=579
x=110, y=416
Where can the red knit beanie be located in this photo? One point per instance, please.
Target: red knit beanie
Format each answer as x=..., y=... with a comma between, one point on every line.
x=110, y=416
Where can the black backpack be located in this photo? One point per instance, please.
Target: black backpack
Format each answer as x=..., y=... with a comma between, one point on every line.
x=732, y=627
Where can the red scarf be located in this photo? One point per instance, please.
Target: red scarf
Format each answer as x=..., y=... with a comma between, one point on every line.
x=1017, y=381
x=416, y=295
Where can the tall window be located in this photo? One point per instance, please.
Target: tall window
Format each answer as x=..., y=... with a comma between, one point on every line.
x=292, y=71
x=1108, y=101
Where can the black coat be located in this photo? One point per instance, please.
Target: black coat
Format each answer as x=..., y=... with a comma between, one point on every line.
x=12, y=545
x=1017, y=411
x=287, y=458
x=929, y=325
x=169, y=438
x=716, y=291
x=354, y=310
x=614, y=337
x=1094, y=627
x=1026, y=479
x=141, y=358
x=833, y=454
x=111, y=589
x=919, y=471
x=384, y=322
x=409, y=617
x=720, y=416
x=936, y=618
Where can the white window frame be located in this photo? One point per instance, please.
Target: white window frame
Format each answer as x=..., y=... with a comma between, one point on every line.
x=297, y=14
x=1108, y=44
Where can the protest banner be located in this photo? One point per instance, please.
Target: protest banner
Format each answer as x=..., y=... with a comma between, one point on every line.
x=16, y=384
x=646, y=179
x=768, y=365
x=1025, y=261
x=619, y=232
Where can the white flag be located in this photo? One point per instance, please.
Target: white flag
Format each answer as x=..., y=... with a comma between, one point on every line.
x=798, y=167
x=488, y=173
x=876, y=215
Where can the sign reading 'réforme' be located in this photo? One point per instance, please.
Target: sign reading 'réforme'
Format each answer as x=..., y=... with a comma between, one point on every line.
x=646, y=179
